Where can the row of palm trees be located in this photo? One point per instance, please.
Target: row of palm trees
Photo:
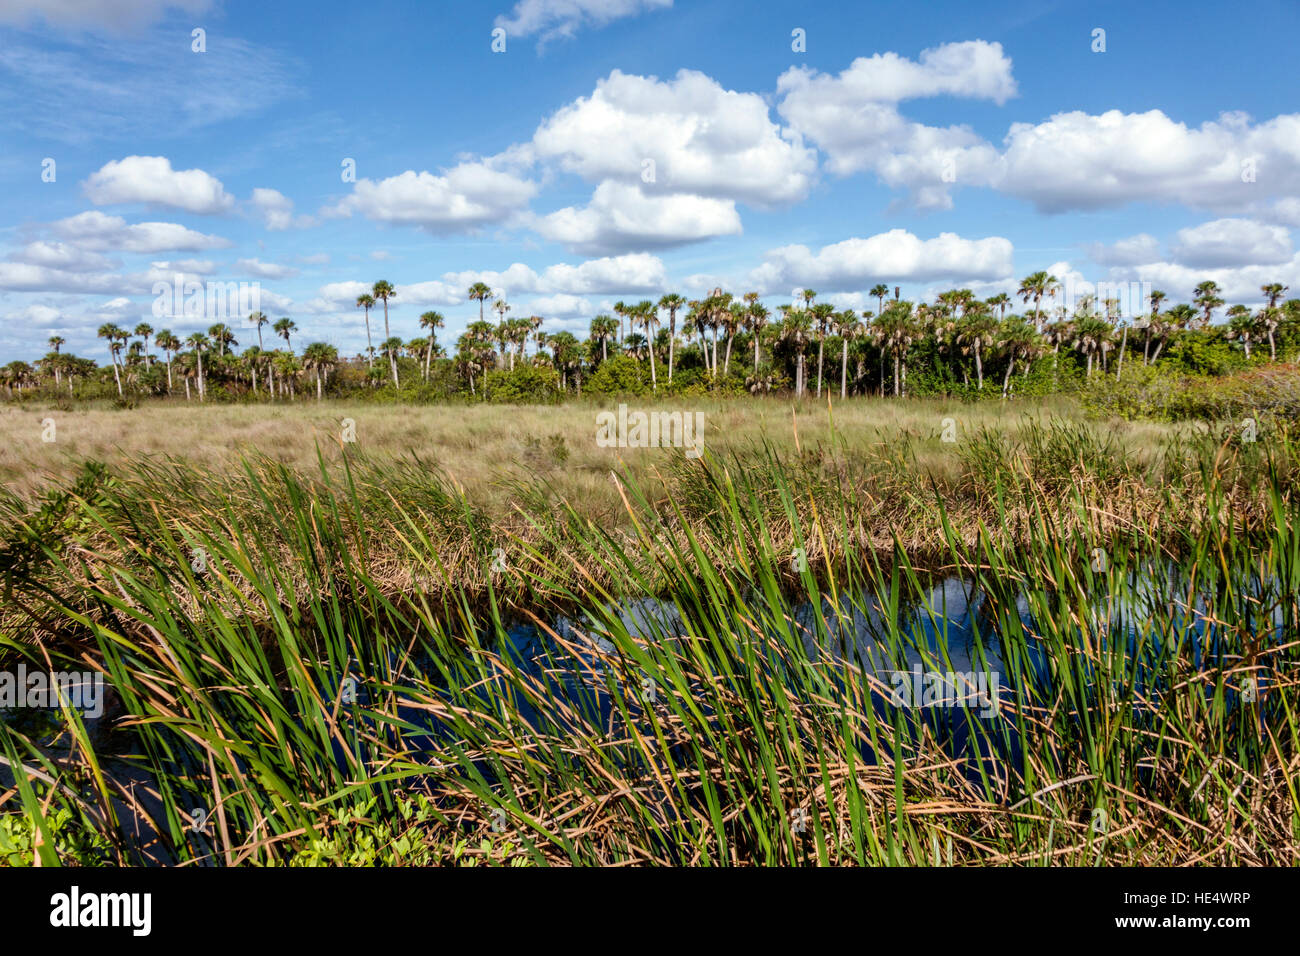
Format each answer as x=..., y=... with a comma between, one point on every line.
x=958, y=327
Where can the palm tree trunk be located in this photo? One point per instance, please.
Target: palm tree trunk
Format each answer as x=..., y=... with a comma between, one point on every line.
x=844, y=370
x=654, y=381
x=895, y=375
x=756, y=351
x=1006, y=379
x=117, y=378
x=821, y=349
x=726, y=362
x=672, y=342
x=979, y=370
x=1272, y=349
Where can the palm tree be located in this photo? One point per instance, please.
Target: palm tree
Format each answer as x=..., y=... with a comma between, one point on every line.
x=567, y=355
x=846, y=323
x=320, y=358
x=620, y=309
x=431, y=321
x=977, y=330
x=1154, y=324
x=1018, y=341
x=391, y=346
x=1177, y=319
x=111, y=333
x=285, y=328
x=1034, y=287
x=718, y=305
x=482, y=293
x=367, y=302
x=732, y=320
x=796, y=328
x=1207, y=300
x=672, y=302
x=1242, y=326
x=199, y=342
x=170, y=345
x=1090, y=332
x=648, y=315
x=999, y=302
x=144, y=330
x=1273, y=291
x=258, y=319
x=896, y=334
x=603, y=328
x=823, y=314
x=1269, y=316
x=755, y=320
x=222, y=337
x=384, y=291
x=879, y=290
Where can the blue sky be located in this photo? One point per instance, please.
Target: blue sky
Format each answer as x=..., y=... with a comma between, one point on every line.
x=924, y=146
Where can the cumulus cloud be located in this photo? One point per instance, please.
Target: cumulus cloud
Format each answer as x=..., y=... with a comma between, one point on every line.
x=622, y=217
x=265, y=270
x=701, y=139
x=897, y=255
x=1133, y=251
x=151, y=179
x=552, y=19
x=1232, y=242
x=635, y=272
x=61, y=255
x=1081, y=161
x=276, y=210
x=854, y=118
x=468, y=196
x=1238, y=284
x=562, y=306
x=98, y=231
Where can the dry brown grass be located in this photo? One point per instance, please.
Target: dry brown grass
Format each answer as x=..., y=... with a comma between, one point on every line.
x=482, y=446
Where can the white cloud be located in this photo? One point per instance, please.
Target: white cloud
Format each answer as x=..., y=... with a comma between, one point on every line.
x=896, y=255
x=24, y=277
x=468, y=196
x=433, y=292
x=276, y=210
x=562, y=18
x=621, y=217
x=562, y=306
x=98, y=231
x=1080, y=161
x=635, y=272
x=1232, y=242
x=61, y=255
x=1238, y=284
x=853, y=117
x=151, y=179
x=701, y=138
x=265, y=270
x=1133, y=251
x=36, y=315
